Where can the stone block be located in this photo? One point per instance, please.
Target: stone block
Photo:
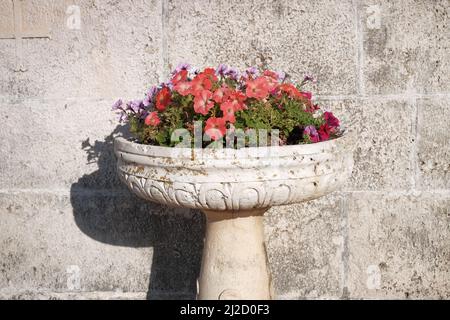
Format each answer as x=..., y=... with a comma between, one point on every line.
x=6, y=18
x=399, y=246
x=113, y=52
x=297, y=37
x=54, y=144
x=406, y=46
x=434, y=143
x=305, y=244
x=384, y=136
x=42, y=295
x=97, y=242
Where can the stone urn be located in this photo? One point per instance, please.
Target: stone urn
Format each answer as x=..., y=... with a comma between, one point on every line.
x=234, y=188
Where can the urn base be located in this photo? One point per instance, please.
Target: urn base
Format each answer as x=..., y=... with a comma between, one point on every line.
x=234, y=264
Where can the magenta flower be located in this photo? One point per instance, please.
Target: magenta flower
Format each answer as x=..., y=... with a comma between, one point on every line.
x=330, y=119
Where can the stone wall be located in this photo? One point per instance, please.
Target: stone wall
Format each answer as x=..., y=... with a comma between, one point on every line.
x=69, y=229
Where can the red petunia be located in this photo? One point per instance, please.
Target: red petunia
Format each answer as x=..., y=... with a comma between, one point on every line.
x=202, y=102
x=291, y=90
x=228, y=109
x=163, y=99
x=179, y=76
x=210, y=73
x=215, y=128
x=183, y=87
x=237, y=95
x=152, y=119
x=258, y=88
x=330, y=119
x=324, y=132
x=237, y=99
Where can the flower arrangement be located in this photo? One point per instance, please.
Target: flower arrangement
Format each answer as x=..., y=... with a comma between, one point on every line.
x=227, y=101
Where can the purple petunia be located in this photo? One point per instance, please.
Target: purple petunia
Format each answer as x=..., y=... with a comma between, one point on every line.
x=312, y=133
x=281, y=76
x=309, y=78
x=181, y=66
x=311, y=130
x=221, y=69
x=147, y=101
x=117, y=105
x=122, y=117
x=167, y=84
x=143, y=114
x=253, y=71
x=135, y=105
x=149, y=96
x=233, y=73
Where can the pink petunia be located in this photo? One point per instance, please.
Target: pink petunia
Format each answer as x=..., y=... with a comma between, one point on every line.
x=152, y=119
x=220, y=95
x=228, y=109
x=215, y=128
x=258, y=88
x=183, y=87
x=202, y=102
x=179, y=77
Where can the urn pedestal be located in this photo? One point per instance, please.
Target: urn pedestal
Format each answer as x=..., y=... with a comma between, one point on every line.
x=234, y=188
x=234, y=262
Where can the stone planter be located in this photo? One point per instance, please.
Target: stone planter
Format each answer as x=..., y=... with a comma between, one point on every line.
x=234, y=188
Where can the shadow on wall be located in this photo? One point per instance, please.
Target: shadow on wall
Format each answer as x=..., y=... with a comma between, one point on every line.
x=117, y=217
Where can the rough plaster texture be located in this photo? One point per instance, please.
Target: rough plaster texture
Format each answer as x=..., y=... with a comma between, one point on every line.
x=69, y=229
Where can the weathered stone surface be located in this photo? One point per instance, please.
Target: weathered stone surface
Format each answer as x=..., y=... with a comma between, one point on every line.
x=50, y=144
x=297, y=37
x=406, y=46
x=111, y=241
x=6, y=18
x=305, y=243
x=125, y=252
x=399, y=246
x=434, y=143
x=115, y=53
x=8, y=63
x=383, y=137
x=40, y=295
